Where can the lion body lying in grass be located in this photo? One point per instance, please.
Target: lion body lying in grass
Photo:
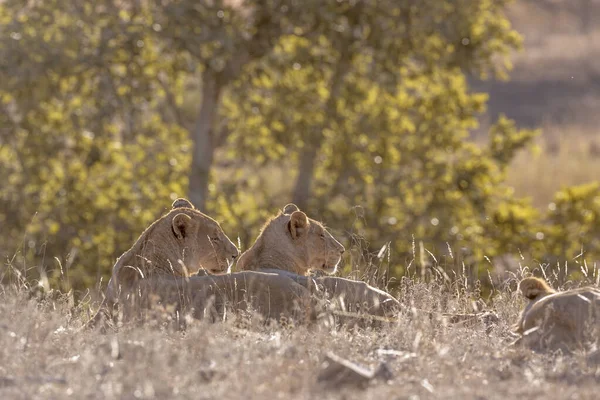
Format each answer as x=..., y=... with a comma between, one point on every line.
x=553, y=320
x=211, y=297
x=292, y=244
x=157, y=271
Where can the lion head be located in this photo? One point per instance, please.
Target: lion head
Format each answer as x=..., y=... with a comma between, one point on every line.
x=533, y=288
x=293, y=242
x=557, y=320
x=179, y=243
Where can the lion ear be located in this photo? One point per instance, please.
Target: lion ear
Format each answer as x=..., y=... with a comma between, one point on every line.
x=298, y=224
x=533, y=288
x=181, y=223
x=182, y=203
x=531, y=294
x=290, y=208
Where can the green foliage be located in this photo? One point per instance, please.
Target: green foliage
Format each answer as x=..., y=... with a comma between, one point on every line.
x=365, y=101
x=573, y=225
x=88, y=156
x=394, y=142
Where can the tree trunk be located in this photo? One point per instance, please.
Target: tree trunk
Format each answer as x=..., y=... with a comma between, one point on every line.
x=204, y=140
x=306, y=169
x=312, y=147
x=308, y=155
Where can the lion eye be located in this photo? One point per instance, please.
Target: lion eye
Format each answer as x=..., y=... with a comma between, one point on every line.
x=215, y=239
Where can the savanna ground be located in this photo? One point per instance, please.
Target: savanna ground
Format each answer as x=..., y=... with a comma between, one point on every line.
x=44, y=356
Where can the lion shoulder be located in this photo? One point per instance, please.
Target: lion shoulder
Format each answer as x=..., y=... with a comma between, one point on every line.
x=554, y=319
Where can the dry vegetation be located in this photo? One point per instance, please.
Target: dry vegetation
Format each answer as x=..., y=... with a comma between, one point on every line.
x=43, y=355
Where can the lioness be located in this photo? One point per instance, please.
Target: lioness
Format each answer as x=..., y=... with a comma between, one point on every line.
x=291, y=244
x=177, y=244
x=158, y=266
x=557, y=320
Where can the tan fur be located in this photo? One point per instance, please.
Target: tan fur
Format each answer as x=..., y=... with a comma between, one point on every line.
x=157, y=271
x=213, y=296
x=345, y=296
x=282, y=248
x=356, y=297
x=273, y=293
x=558, y=320
x=292, y=242
x=533, y=288
x=178, y=244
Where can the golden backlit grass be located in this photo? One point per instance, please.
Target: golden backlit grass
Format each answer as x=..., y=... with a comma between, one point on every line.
x=44, y=356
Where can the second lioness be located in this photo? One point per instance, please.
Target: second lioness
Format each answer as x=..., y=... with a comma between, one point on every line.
x=292, y=244
x=554, y=320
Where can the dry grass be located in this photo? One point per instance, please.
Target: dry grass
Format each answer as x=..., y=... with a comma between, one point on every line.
x=42, y=355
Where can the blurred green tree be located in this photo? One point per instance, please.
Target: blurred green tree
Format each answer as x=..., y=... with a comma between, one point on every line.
x=221, y=38
x=359, y=111
x=373, y=109
x=99, y=87
x=85, y=147
x=571, y=233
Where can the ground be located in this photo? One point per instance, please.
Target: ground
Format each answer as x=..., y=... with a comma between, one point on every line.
x=44, y=356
